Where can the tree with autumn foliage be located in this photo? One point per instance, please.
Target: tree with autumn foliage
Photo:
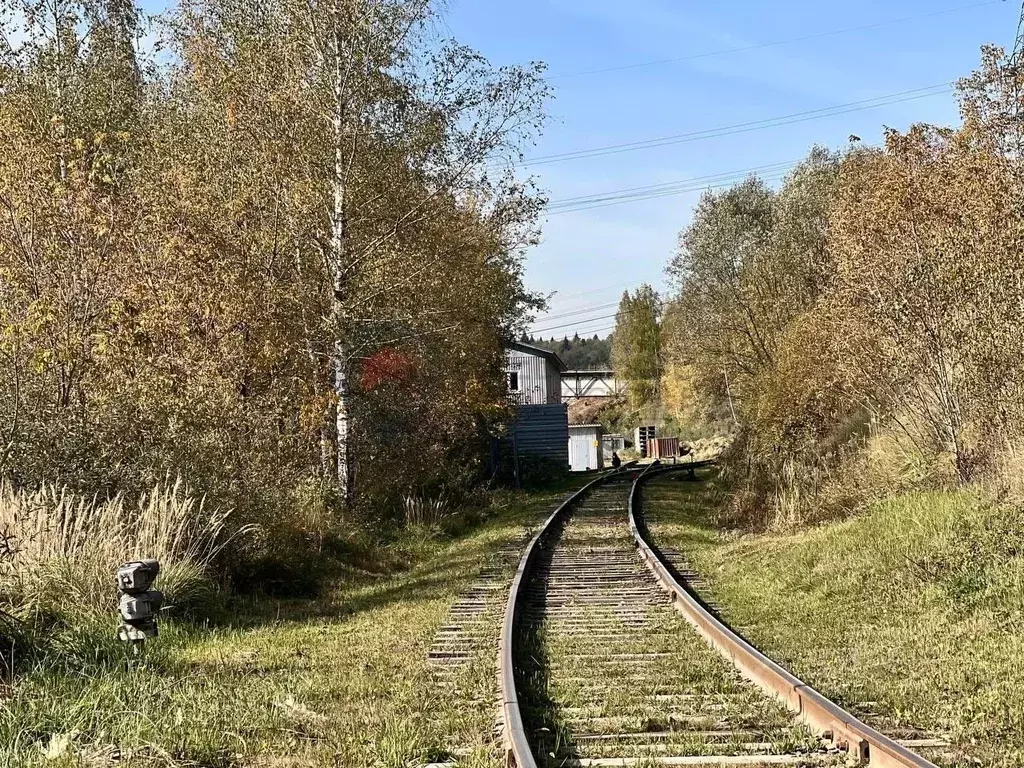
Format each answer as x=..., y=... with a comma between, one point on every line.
x=926, y=237
x=275, y=262
x=876, y=293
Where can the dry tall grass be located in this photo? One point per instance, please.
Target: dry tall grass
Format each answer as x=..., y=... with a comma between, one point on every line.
x=423, y=511
x=58, y=551
x=781, y=492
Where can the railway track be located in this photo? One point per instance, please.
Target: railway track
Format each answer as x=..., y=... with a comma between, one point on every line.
x=602, y=662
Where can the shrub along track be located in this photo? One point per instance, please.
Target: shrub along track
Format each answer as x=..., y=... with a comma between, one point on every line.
x=598, y=669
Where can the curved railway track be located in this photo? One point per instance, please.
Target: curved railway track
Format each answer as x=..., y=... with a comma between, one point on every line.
x=606, y=660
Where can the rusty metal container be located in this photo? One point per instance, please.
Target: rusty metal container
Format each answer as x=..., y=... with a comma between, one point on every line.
x=663, y=447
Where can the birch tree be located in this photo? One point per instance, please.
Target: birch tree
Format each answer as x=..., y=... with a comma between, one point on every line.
x=201, y=261
x=388, y=129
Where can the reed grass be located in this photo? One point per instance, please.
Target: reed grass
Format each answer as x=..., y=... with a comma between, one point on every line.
x=420, y=511
x=59, y=550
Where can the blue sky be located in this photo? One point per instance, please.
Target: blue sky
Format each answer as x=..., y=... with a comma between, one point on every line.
x=589, y=257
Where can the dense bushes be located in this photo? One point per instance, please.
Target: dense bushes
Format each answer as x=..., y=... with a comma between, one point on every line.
x=271, y=264
x=866, y=317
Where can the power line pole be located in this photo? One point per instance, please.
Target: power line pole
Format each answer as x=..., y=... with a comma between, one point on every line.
x=1013, y=71
x=1018, y=44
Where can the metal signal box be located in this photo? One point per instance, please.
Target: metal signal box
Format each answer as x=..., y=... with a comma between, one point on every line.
x=139, y=609
x=137, y=604
x=133, y=578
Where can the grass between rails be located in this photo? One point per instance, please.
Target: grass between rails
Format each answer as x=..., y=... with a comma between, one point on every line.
x=609, y=670
x=911, y=614
x=341, y=680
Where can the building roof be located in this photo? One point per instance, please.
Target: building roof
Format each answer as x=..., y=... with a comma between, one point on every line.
x=585, y=426
x=539, y=352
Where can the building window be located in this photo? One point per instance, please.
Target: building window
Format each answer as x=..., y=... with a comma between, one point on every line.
x=513, y=381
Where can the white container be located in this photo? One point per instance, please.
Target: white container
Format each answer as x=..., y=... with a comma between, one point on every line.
x=585, y=452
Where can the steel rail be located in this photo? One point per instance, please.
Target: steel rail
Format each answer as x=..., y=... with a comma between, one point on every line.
x=517, y=746
x=824, y=716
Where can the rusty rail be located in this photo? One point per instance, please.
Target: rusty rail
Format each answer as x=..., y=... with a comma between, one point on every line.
x=827, y=718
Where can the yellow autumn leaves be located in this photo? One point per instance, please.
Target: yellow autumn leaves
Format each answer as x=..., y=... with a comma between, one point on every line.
x=880, y=289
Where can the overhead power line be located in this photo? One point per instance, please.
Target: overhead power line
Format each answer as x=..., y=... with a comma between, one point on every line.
x=590, y=331
x=770, y=172
x=618, y=194
x=773, y=43
x=583, y=311
x=561, y=326
x=681, y=190
x=624, y=287
x=619, y=287
x=627, y=287
x=754, y=125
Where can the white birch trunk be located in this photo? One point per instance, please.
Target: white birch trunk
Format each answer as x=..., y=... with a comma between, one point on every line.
x=339, y=251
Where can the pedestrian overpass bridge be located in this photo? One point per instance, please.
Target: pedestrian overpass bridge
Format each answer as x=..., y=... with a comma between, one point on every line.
x=600, y=383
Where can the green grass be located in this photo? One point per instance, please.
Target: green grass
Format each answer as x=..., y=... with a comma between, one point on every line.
x=911, y=614
x=341, y=680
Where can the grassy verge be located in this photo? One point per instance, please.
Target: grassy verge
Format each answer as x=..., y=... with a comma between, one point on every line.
x=341, y=680
x=910, y=614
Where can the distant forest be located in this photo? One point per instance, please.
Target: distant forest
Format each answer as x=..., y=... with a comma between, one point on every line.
x=578, y=353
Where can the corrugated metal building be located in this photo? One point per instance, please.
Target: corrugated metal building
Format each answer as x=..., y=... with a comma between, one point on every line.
x=585, y=451
x=542, y=430
x=534, y=374
x=663, y=447
x=541, y=425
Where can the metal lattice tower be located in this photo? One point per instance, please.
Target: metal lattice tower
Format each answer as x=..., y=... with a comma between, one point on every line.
x=1013, y=69
x=1018, y=43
